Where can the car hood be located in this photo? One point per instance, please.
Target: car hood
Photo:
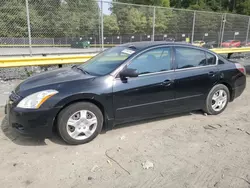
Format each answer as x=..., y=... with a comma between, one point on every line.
x=50, y=78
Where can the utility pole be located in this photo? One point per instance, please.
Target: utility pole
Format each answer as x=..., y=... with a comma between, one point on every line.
x=28, y=23
x=153, y=33
x=102, y=25
x=192, y=39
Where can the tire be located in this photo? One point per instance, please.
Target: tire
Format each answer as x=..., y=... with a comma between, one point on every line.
x=210, y=101
x=75, y=111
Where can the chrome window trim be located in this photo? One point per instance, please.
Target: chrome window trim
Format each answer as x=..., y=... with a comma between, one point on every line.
x=152, y=73
x=177, y=70
x=149, y=74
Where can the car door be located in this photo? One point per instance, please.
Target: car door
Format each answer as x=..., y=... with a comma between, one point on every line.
x=146, y=95
x=195, y=74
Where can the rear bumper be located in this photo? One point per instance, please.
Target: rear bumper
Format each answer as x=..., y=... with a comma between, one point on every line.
x=31, y=122
x=237, y=91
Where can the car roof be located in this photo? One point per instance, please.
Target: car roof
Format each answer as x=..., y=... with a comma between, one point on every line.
x=140, y=46
x=147, y=44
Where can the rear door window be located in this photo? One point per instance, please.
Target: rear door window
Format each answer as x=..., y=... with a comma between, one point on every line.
x=189, y=57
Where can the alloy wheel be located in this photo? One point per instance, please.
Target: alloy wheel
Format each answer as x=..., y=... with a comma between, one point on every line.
x=81, y=125
x=219, y=100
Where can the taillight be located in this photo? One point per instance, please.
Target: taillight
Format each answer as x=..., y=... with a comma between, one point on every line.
x=241, y=68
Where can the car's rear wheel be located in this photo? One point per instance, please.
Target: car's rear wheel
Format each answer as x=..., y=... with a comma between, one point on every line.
x=217, y=100
x=80, y=123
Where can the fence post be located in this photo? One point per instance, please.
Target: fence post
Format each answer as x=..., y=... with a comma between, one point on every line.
x=219, y=34
x=99, y=31
x=223, y=28
x=13, y=42
x=28, y=23
x=102, y=25
x=153, y=33
x=192, y=38
x=248, y=30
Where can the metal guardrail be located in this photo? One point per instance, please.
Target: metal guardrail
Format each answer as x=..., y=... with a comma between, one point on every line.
x=230, y=50
x=73, y=59
x=39, y=61
x=34, y=45
x=50, y=45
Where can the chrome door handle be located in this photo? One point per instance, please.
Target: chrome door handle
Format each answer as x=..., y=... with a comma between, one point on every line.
x=167, y=82
x=211, y=73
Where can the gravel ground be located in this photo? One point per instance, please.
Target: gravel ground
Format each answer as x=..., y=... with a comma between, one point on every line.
x=5, y=89
x=183, y=151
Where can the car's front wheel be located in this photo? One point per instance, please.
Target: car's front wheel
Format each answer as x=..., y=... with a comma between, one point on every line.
x=217, y=100
x=80, y=122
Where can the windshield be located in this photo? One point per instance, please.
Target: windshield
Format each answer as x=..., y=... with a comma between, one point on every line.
x=107, y=61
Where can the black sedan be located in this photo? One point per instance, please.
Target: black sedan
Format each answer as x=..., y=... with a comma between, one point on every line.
x=126, y=83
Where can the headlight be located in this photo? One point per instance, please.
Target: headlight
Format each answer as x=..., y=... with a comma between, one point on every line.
x=35, y=100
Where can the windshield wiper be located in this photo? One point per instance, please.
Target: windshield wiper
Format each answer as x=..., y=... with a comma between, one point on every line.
x=81, y=69
x=84, y=71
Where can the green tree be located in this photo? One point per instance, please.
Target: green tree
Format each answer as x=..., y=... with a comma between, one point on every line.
x=245, y=7
x=130, y=20
x=164, y=3
x=13, y=19
x=47, y=12
x=57, y=18
x=69, y=18
x=84, y=16
x=110, y=24
x=139, y=19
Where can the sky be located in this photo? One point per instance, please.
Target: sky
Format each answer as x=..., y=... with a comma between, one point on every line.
x=105, y=6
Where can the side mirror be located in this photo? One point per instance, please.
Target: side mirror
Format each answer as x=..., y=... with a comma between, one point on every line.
x=128, y=73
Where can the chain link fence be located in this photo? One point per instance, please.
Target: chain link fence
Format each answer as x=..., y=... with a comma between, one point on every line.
x=56, y=25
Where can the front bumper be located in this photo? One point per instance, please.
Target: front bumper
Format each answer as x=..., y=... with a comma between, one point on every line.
x=31, y=122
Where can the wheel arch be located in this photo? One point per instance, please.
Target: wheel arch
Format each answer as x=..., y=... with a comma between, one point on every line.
x=69, y=101
x=230, y=89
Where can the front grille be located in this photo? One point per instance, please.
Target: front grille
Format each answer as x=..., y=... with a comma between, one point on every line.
x=14, y=97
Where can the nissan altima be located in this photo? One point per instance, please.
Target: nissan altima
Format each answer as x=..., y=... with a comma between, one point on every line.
x=126, y=83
